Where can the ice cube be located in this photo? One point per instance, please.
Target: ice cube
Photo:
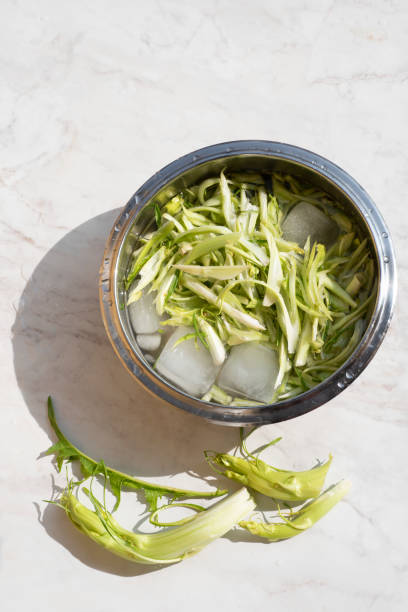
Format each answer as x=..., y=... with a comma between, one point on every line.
x=149, y=342
x=189, y=365
x=250, y=371
x=307, y=220
x=143, y=315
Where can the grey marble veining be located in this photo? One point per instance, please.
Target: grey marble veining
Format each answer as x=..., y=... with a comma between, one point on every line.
x=95, y=98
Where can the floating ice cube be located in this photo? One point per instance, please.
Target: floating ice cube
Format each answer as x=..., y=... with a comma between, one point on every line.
x=143, y=315
x=189, y=365
x=250, y=371
x=149, y=342
x=307, y=220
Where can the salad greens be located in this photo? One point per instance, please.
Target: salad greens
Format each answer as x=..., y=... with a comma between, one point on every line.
x=220, y=263
x=187, y=536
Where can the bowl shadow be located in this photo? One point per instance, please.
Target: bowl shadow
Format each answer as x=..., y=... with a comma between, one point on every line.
x=61, y=349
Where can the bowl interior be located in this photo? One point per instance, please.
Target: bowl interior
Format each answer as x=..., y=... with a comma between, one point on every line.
x=142, y=218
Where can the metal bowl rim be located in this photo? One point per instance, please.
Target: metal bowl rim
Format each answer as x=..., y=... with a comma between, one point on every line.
x=310, y=399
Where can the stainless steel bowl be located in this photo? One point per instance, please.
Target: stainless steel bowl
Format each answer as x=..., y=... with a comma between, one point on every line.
x=244, y=155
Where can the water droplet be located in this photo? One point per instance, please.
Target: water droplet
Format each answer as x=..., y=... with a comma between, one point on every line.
x=384, y=235
x=228, y=149
x=349, y=375
x=195, y=157
x=322, y=167
x=386, y=259
x=341, y=384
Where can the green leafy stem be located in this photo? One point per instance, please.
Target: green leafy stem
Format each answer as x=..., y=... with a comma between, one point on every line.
x=64, y=450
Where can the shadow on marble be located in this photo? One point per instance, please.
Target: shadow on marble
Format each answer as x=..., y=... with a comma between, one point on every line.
x=61, y=349
x=242, y=535
x=57, y=526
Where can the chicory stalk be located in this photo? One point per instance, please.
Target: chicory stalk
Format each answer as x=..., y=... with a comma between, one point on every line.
x=355, y=256
x=218, y=395
x=263, y=205
x=210, y=244
x=275, y=273
x=239, y=336
x=313, y=261
x=213, y=272
x=239, y=401
x=289, y=326
x=245, y=276
x=305, y=340
x=203, y=188
x=284, y=362
x=168, y=283
x=168, y=546
x=214, y=343
x=350, y=318
x=177, y=223
x=302, y=519
x=253, y=218
x=227, y=205
x=196, y=218
x=208, y=295
x=279, y=484
x=249, y=255
x=158, y=237
x=175, y=204
x=195, y=232
x=355, y=284
x=344, y=354
x=147, y=275
x=258, y=252
x=342, y=221
x=335, y=288
x=164, y=269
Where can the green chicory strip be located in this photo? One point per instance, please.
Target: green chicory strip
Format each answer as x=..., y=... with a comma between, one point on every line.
x=212, y=272
x=159, y=236
x=208, y=295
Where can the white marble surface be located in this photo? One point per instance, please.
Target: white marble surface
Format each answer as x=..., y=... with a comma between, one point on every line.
x=95, y=97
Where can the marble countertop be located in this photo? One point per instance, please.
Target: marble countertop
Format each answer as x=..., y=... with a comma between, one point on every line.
x=95, y=97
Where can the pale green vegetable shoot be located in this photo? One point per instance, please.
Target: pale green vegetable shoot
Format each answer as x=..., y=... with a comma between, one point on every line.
x=294, y=523
x=187, y=536
x=271, y=481
x=168, y=546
